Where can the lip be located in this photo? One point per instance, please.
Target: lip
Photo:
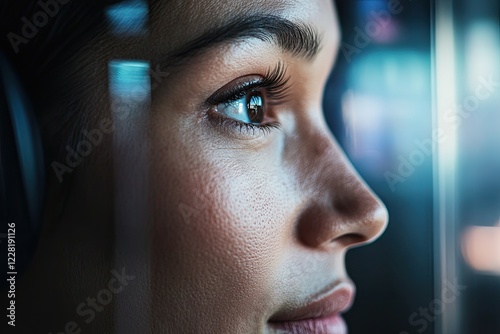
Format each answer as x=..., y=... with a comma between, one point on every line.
x=320, y=313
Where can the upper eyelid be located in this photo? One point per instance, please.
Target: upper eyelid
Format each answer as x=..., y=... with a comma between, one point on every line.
x=242, y=90
x=275, y=80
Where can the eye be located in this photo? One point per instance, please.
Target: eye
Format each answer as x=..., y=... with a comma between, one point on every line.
x=247, y=109
x=245, y=104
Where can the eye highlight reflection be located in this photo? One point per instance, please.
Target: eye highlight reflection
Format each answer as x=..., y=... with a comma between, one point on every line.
x=248, y=109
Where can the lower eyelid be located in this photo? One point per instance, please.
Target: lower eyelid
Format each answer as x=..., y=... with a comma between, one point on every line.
x=240, y=129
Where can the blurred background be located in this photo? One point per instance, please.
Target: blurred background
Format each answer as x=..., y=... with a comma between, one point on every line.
x=415, y=102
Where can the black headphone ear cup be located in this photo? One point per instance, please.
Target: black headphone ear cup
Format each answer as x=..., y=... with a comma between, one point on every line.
x=22, y=176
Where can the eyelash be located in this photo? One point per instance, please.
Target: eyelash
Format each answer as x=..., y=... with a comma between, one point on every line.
x=274, y=87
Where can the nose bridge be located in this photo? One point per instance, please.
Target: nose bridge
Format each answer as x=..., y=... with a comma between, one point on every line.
x=341, y=205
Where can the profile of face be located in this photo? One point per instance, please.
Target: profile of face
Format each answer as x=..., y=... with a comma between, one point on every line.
x=250, y=204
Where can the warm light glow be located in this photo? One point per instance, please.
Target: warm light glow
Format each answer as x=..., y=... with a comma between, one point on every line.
x=481, y=248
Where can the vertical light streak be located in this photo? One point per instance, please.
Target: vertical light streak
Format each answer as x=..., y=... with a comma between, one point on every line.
x=130, y=93
x=444, y=101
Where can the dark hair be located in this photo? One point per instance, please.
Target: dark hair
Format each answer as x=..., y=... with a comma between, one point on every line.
x=43, y=39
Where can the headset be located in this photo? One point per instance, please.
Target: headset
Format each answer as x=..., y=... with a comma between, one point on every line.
x=22, y=175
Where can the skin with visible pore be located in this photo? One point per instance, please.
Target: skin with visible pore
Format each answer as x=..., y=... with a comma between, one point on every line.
x=245, y=223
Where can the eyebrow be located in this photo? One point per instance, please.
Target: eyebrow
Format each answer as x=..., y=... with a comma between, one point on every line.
x=298, y=39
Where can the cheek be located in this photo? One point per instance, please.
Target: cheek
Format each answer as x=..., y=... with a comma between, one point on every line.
x=219, y=225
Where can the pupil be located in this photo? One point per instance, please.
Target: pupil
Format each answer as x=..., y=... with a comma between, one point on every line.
x=255, y=108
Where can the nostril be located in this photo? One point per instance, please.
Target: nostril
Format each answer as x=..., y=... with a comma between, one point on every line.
x=350, y=240
x=361, y=207
x=321, y=225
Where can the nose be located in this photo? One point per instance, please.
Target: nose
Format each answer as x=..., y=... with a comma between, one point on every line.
x=340, y=209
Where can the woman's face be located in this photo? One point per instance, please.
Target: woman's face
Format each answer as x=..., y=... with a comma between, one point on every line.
x=251, y=202
x=251, y=223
